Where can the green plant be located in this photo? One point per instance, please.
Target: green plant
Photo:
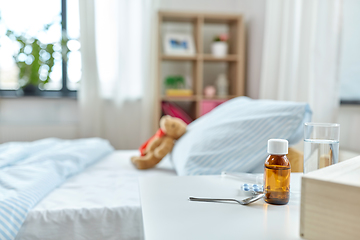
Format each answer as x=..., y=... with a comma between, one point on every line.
x=35, y=59
x=174, y=82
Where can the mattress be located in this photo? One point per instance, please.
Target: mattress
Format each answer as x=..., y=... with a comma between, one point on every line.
x=100, y=203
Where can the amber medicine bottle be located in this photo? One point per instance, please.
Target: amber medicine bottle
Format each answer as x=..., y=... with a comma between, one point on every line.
x=277, y=173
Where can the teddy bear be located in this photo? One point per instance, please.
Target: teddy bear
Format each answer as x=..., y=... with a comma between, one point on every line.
x=153, y=151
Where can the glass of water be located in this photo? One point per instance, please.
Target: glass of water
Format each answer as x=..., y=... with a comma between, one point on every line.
x=321, y=145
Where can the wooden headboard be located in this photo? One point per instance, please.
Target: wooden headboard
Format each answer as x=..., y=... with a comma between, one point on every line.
x=296, y=159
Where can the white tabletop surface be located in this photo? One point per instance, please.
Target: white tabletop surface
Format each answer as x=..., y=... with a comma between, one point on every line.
x=168, y=214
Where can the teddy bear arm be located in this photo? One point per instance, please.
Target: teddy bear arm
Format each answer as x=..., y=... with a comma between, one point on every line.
x=153, y=145
x=165, y=147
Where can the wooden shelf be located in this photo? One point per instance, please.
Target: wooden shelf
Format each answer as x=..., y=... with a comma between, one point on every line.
x=170, y=16
x=219, y=98
x=228, y=58
x=221, y=18
x=179, y=58
x=179, y=99
x=195, y=98
x=201, y=62
x=204, y=57
x=173, y=16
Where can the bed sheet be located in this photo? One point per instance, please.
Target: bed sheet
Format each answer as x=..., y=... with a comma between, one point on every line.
x=102, y=202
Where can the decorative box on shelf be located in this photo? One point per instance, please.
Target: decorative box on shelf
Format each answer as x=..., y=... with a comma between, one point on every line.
x=207, y=105
x=330, y=202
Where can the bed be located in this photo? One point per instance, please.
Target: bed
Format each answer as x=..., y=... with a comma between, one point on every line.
x=102, y=200
x=100, y=203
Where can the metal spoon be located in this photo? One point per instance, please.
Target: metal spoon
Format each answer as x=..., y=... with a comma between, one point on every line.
x=245, y=201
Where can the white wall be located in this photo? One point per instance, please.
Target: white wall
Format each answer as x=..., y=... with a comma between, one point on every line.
x=349, y=119
x=200, y=5
x=32, y=118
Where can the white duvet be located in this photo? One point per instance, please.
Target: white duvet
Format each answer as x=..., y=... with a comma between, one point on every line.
x=100, y=203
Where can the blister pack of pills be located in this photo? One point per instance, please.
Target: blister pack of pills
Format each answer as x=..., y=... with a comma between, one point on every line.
x=246, y=187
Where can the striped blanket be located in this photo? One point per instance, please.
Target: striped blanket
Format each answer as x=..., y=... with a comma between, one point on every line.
x=29, y=171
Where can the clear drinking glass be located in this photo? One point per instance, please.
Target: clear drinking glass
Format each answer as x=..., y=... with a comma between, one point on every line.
x=321, y=145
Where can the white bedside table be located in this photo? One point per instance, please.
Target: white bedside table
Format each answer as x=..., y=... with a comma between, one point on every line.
x=168, y=214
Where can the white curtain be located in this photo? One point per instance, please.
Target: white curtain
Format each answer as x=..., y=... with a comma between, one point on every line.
x=301, y=54
x=118, y=55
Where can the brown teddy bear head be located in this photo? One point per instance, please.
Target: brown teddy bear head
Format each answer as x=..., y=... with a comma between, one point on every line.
x=173, y=127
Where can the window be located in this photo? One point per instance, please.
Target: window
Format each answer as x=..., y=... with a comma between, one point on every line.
x=350, y=53
x=39, y=48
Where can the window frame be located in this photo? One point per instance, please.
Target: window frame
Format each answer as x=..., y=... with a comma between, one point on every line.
x=349, y=102
x=64, y=92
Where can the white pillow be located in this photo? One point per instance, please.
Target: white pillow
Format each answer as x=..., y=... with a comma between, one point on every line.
x=233, y=137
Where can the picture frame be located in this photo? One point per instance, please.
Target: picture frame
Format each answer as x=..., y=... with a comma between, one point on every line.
x=179, y=44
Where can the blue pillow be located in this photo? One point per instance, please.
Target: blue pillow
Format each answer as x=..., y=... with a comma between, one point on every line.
x=233, y=137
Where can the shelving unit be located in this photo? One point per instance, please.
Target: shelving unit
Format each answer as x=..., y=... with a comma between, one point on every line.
x=234, y=61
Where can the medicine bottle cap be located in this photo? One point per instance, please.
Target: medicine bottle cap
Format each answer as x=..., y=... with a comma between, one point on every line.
x=277, y=146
